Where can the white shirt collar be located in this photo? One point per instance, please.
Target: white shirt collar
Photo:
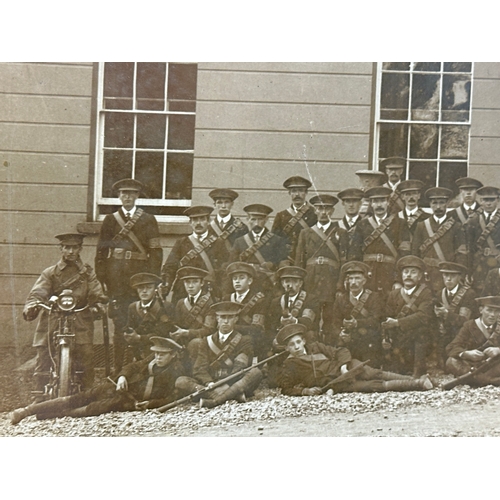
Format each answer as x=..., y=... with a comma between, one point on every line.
x=357, y=296
x=196, y=297
x=411, y=212
x=223, y=337
x=482, y=322
x=470, y=207
x=441, y=220
x=201, y=237
x=296, y=209
x=454, y=290
x=130, y=212
x=486, y=214
x=241, y=296
x=223, y=220
x=292, y=298
x=143, y=306
x=410, y=291
x=393, y=186
x=324, y=227
x=380, y=219
x=352, y=218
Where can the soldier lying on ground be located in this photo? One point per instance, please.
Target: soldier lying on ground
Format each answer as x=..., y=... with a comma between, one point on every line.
x=145, y=384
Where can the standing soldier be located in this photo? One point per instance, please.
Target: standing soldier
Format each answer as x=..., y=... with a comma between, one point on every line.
x=351, y=200
x=468, y=188
x=321, y=250
x=201, y=249
x=300, y=215
x=128, y=244
x=394, y=168
x=380, y=240
x=439, y=238
x=369, y=179
x=410, y=192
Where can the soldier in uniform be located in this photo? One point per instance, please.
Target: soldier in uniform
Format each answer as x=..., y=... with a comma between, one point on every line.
x=469, y=206
x=410, y=192
x=223, y=353
x=406, y=337
x=477, y=341
x=300, y=215
x=394, y=168
x=310, y=366
x=455, y=305
x=439, y=238
x=129, y=243
x=352, y=199
x=380, y=240
x=321, y=250
x=367, y=180
x=70, y=273
x=202, y=249
x=145, y=384
x=483, y=236
x=357, y=314
x=492, y=282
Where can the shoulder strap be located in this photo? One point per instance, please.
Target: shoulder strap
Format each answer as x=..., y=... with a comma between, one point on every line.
x=410, y=302
x=359, y=307
x=200, y=249
x=328, y=242
x=379, y=232
x=296, y=218
x=126, y=228
x=487, y=230
x=248, y=306
x=224, y=353
x=253, y=248
x=435, y=236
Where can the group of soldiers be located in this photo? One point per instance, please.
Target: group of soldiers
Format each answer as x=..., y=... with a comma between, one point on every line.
x=372, y=298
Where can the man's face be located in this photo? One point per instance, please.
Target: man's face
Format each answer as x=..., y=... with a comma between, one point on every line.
x=292, y=286
x=199, y=224
x=411, y=198
x=451, y=280
x=356, y=282
x=296, y=345
x=146, y=292
x=128, y=197
x=241, y=282
x=257, y=222
x=226, y=322
x=162, y=359
x=324, y=213
x=298, y=195
x=411, y=276
x=438, y=206
x=489, y=315
x=223, y=206
x=380, y=206
x=193, y=285
x=70, y=253
x=468, y=195
x=489, y=203
x=394, y=173
x=351, y=206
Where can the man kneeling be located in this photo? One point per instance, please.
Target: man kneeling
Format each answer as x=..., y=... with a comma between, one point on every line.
x=311, y=366
x=145, y=384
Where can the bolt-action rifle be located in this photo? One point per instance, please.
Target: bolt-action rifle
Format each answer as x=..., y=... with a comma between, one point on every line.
x=344, y=377
x=469, y=376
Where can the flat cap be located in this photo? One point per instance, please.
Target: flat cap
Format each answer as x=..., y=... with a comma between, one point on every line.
x=351, y=194
x=289, y=331
x=324, y=199
x=198, y=211
x=226, y=307
x=451, y=267
x=410, y=261
x=488, y=191
x=410, y=185
x=162, y=344
x=393, y=162
x=144, y=279
x=438, y=192
x=257, y=209
x=128, y=185
x=291, y=272
x=490, y=301
x=185, y=272
x=378, y=192
x=70, y=238
x=297, y=181
x=240, y=267
x=468, y=182
x=355, y=266
x=216, y=194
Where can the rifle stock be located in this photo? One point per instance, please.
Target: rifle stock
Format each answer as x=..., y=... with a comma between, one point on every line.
x=467, y=377
x=345, y=376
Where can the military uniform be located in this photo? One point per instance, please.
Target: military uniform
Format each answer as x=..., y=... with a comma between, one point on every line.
x=463, y=212
x=396, y=204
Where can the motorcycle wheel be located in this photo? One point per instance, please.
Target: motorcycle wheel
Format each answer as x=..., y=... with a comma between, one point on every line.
x=65, y=372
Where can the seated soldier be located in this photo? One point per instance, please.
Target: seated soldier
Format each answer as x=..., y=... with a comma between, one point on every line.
x=477, y=340
x=148, y=317
x=145, y=384
x=357, y=314
x=405, y=333
x=252, y=314
x=223, y=353
x=455, y=305
x=310, y=366
x=492, y=281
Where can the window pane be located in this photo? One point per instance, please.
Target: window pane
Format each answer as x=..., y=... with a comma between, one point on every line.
x=182, y=81
x=118, y=79
x=116, y=165
x=454, y=141
x=458, y=66
x=393, y=140
x=118, y=130
x=423, y=141
x=151, y=131
x=425, y=171
x=456, y=97
x=179, y=175
x=149, y=171
x=394, y=97
x=182, y=106
x=117, y=103
x=404, y=66
x=449, y=172
x=181, y=132
x=151, y=86
x=427, y=66
x=425, y=97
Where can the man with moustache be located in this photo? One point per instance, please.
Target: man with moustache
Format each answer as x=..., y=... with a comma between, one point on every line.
x=394, y=168
x=367, y=180
x=410, y=192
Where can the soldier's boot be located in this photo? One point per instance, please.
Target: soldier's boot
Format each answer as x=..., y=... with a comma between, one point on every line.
x=53, y=407
x=423, y=383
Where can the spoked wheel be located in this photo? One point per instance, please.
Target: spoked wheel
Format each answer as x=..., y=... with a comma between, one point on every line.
x=65, y=372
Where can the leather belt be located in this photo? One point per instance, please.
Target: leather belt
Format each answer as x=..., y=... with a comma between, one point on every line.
x=323, y=260
x=379, y=257
x=120, y=253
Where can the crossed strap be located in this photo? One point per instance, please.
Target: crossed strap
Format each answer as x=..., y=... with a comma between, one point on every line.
x=195, y=313
x=126, y=229
x=435, y=236
x=410, y=306
x=253, y=248
x=456, y=299
x=379, y=232
x=224, y=353
x=297, y=217
x=359, y=304
x=325, y=237
x=200, y=249
x=487, y=230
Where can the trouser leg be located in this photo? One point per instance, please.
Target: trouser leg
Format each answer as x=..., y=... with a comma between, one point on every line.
x=84, y=361
x=41, y=374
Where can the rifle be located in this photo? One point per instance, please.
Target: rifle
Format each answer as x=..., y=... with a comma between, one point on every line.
x=222, y=381
x=345, y=376
x=127, y=394
x=468, y=377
